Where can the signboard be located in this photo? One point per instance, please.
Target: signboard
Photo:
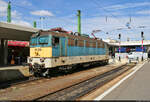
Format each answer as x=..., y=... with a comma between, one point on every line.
x=18, y=43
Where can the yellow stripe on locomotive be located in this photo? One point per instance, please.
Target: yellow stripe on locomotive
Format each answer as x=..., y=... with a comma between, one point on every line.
x=41, y=52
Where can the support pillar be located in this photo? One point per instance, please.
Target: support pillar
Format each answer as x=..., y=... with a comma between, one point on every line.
x=3, y=52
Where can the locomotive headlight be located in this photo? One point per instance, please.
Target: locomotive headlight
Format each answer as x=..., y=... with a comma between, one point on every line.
x=42, y=59
x=30, y=59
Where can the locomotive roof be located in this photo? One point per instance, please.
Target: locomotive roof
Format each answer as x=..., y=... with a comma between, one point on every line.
x=61, y=34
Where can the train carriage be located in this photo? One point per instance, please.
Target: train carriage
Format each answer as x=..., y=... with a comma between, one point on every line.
x=55, y=49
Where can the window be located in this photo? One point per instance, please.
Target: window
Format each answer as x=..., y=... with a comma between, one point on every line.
x=43, y=39
x=80, y=43
x=94, y=44
x=76, y=42
x=55, y=41
x=87, y=44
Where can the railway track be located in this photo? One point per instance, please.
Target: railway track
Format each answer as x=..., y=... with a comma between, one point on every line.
x=19, y=82
x=76, y=91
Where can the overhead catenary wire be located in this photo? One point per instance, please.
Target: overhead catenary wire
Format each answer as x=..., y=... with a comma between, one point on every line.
x=99, y=6
x=130, y=20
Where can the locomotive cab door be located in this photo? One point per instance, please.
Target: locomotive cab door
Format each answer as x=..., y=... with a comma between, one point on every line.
x=59, y=46
x=63, y=46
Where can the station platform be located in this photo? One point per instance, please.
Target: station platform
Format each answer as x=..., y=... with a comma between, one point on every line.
x=11, y=67
x=136, y=87
x=8, y=73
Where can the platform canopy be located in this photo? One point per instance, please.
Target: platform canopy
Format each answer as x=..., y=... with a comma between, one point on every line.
x=16, y=32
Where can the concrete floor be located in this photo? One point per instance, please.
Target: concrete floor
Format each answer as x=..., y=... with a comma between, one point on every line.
x=136, y=87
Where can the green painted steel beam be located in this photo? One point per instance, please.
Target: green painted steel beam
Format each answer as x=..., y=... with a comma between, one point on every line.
x=79, y=22
x=9, y=12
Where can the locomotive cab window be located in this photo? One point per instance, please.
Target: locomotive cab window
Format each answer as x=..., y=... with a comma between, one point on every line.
x=43, y=40
x=55, y=41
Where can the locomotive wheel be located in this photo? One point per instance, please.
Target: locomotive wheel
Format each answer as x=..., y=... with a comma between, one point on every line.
x=36, y=74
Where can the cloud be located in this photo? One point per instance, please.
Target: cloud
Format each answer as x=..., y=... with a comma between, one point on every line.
x=42, y=13
x=26, y=3
x=127, y=5
x=20, y=22
x=3, y=6
x=16, y=15
x=145, y=12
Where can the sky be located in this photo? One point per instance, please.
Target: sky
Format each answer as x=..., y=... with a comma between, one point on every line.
x=109, y=16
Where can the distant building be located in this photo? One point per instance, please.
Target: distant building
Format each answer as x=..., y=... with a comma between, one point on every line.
x=128, y=46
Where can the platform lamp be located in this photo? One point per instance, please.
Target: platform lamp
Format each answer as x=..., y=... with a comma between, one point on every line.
x=142, y=36
x=119, y=46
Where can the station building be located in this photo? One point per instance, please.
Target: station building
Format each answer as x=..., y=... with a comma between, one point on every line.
x=127, y=47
